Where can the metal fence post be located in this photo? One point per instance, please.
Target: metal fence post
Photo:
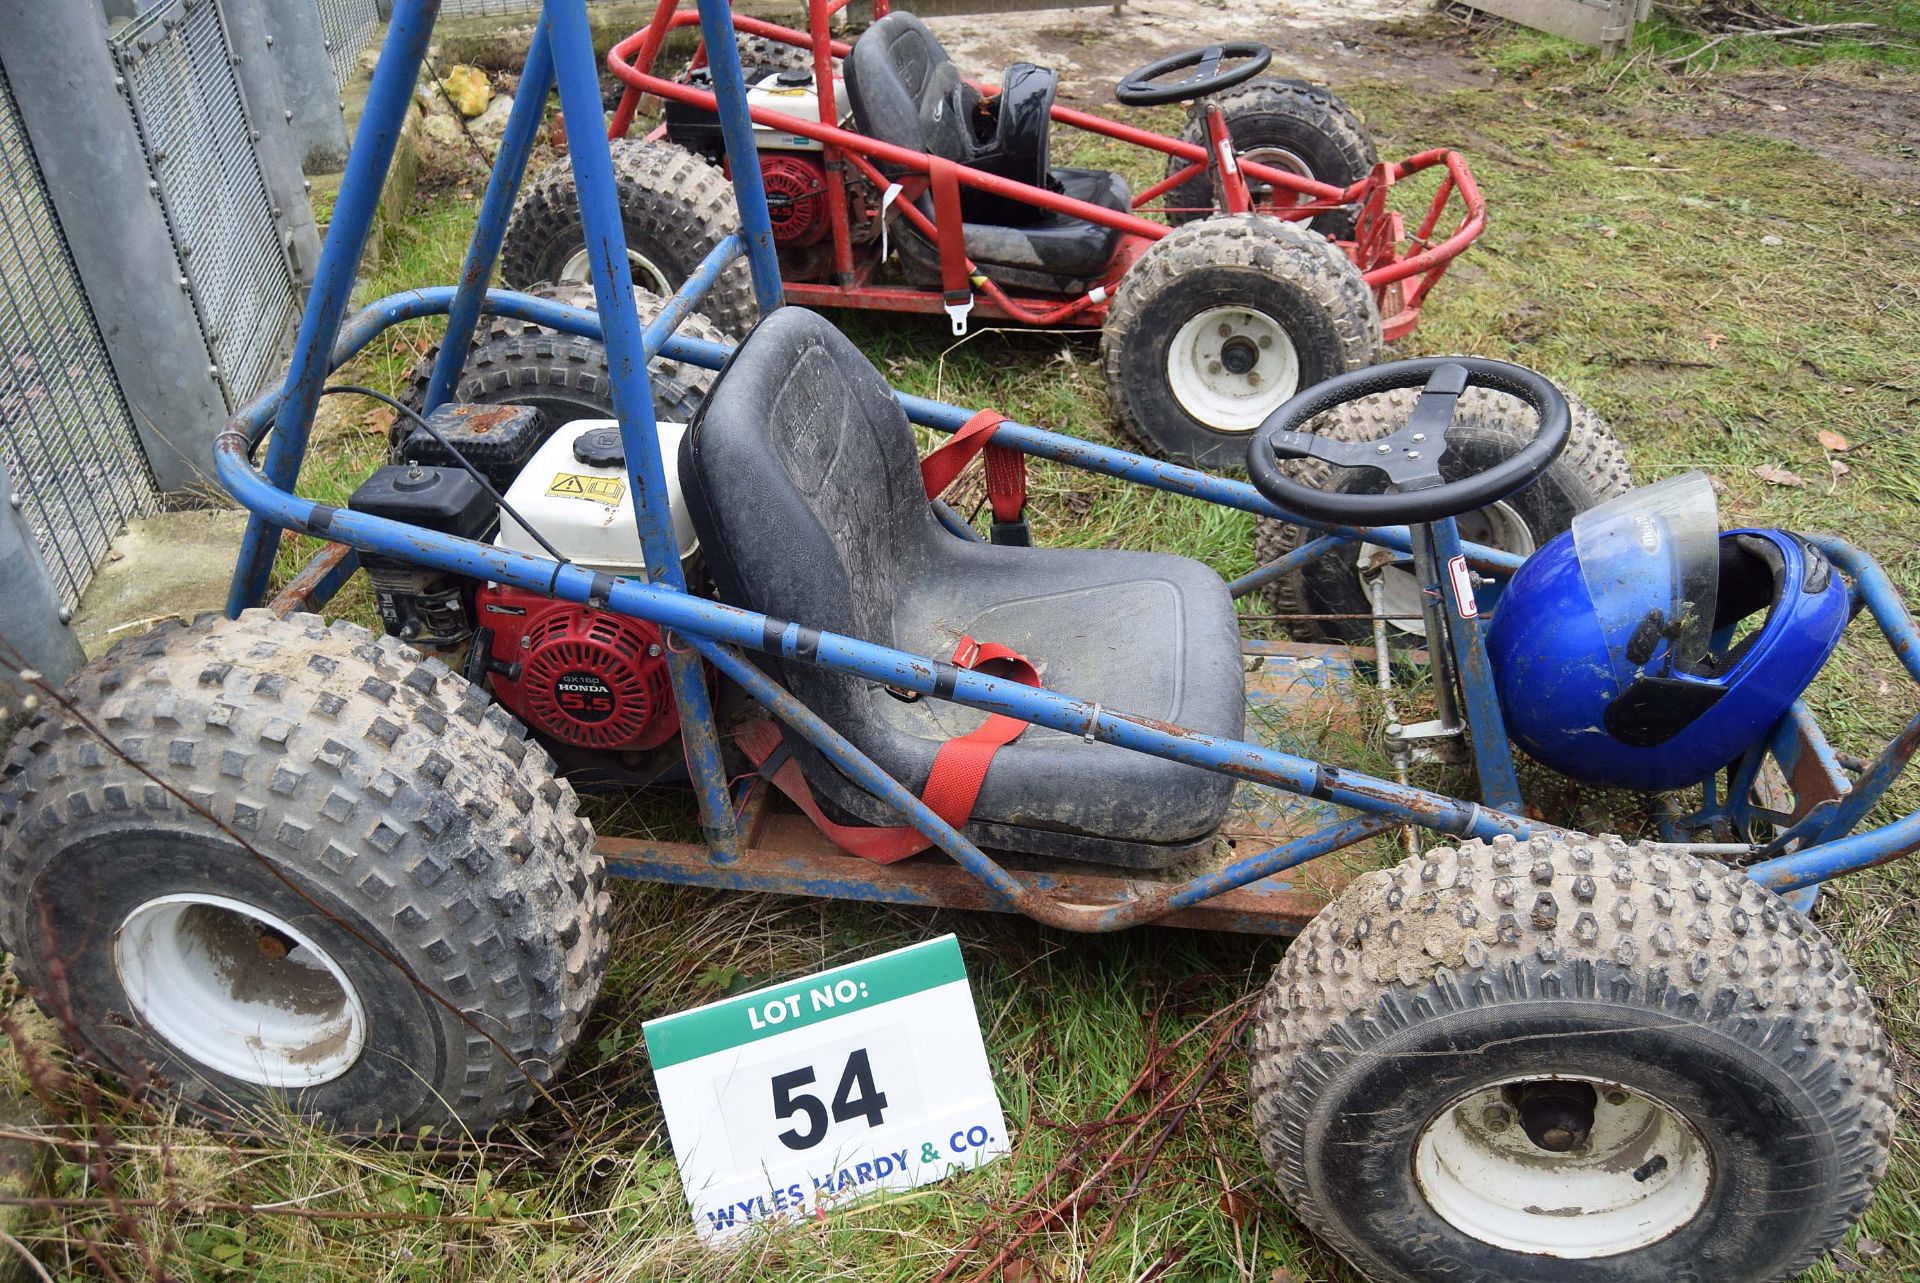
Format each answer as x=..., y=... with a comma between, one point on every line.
x=311, y=101
x=55, y=57
x=274, y=140
x=33, y=620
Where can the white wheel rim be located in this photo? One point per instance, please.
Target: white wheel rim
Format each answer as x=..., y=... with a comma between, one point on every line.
x=1499, y=525
x=240, y=990
x=1275, y=158
x=1230, y=367
x=1642, y=1173
x=579, y=268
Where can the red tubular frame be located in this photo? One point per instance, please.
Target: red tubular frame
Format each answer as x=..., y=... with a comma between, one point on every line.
x=1388, y=259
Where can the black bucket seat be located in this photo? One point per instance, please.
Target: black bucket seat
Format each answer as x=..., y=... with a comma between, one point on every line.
x=804, y=485
x=905, y=90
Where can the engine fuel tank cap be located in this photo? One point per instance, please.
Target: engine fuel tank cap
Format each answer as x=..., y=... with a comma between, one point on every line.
x=600, y=448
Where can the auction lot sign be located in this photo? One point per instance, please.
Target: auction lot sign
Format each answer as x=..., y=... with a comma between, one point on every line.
x=803, y=1096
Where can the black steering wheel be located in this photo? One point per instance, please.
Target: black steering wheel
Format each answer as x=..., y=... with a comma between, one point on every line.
x=1215, y=67
x=1409, y=458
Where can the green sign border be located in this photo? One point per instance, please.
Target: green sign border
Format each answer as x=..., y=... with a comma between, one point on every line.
x=688, y=1035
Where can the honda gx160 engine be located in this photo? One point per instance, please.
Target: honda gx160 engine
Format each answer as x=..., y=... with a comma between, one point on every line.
x=582, y=679
x=792, y=167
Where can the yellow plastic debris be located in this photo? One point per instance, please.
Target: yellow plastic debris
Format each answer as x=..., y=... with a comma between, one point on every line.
x=467, y=89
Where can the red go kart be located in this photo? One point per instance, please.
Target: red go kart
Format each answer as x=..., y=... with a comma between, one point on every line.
x=895, y=183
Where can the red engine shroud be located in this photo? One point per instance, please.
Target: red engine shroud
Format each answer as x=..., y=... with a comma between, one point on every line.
x=796, y=196
x=585, y=677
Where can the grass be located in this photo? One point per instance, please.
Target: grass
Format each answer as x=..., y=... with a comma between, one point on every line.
x=1895, y=41
x=1720, y=296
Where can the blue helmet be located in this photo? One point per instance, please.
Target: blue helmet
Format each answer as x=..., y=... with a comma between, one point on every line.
x=1646, y=650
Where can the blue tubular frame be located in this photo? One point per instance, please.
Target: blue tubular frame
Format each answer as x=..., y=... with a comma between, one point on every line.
x=496, y=207
x=389, y=96
x=1486, y=725
x=743, y=158
x=577, y=73
x=700, y=630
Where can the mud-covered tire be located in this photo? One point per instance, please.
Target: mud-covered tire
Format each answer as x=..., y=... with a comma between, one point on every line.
x=1291, y=124
x=1661, y=977
x=567, y=377
x=391, y=807
x=1489, y=428
x=675, y=206
x=1286, y=294
x=770, y=55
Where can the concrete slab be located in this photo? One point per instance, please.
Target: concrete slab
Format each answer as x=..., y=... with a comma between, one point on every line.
x=173, y=564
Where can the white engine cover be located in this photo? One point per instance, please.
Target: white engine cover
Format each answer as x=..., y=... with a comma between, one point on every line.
x=586, y=511
x=791, y=100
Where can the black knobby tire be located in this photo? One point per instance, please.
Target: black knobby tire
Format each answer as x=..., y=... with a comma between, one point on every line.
x=1281, y=275
x=411, y=808
x=1664, y=978
x=770, y=55
x=675, y=206
x=1311, y=129
x=1489, y=428
x=757, y=53
x=567, y=377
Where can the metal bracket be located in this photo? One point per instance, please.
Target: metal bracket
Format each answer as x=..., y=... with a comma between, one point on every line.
x=1431, y=741
x=957, y=313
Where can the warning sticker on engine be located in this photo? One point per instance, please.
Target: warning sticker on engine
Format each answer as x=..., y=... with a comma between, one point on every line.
x=571, y=485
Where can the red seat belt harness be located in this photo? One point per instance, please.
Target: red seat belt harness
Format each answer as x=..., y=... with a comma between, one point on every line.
x=960, y=766
x=953, y=784
x=956, y=284
x=1006, y=475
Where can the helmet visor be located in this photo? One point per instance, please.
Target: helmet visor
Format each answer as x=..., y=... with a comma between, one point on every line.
x=1651, y=561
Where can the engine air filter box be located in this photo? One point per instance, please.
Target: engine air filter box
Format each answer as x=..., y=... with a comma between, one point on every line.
x=419, y=604
x=496, y=439
x=443, y=499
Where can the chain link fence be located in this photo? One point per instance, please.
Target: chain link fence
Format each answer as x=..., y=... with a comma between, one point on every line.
x=68, y=438
x=177, y=71
x=348, y=25
x=492, y=8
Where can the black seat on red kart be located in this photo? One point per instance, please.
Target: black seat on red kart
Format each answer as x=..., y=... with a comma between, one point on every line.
x=804, y=486
x=905, y=90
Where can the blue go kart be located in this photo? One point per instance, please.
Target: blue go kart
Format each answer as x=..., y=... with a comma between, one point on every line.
x=263, y=858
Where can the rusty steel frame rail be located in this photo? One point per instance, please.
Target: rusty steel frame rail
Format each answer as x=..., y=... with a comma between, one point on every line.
x=933, y=882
